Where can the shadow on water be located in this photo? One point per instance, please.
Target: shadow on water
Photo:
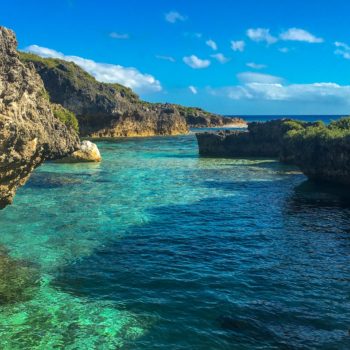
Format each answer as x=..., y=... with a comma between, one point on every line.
x=222, y=274
x=315, y=194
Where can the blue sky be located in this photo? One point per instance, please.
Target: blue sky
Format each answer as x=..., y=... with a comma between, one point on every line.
x=231, y=57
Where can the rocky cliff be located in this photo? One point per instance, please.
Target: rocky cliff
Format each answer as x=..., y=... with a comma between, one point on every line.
x=113, y=110
x=29, y=132
x=199, y=118
x=104, y=110
x=259, y=140
x=322, y=152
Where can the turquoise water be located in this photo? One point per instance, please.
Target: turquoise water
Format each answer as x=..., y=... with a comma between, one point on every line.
x=156, y=248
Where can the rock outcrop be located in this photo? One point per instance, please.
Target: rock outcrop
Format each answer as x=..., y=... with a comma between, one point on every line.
x=113, y=110
x=321, y=152
x=199, y=118
x=104, y=110
x=259, y=140
x=29, y=132
x=88, y=152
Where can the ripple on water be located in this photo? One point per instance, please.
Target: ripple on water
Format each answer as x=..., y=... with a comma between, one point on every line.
x=157, y=248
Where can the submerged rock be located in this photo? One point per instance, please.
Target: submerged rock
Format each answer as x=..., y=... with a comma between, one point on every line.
x=29, y=132
x=87, y=152
x=18, y=279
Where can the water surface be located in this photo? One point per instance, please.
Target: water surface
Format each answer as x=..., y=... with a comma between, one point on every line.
x=157, y=248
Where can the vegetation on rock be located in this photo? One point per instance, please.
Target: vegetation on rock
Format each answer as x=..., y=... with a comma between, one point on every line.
x=109, y=110
x=66, y=117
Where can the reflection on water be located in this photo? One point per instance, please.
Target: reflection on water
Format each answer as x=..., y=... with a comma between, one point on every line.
x=157, y=248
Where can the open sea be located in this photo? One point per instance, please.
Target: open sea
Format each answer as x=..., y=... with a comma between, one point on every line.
x=157, y=248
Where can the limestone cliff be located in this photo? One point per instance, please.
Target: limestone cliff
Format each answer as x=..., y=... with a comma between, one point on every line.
x=259, y=140
x=29, y=132
x=113, y=110
x=104, y=110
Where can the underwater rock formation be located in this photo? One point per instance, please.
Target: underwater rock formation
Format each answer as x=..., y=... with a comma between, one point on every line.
x=18, y=279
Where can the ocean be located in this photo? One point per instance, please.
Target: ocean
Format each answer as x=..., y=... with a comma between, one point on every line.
x=158, y=248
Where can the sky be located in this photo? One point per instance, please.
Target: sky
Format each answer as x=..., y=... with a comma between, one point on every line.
x=232, y=57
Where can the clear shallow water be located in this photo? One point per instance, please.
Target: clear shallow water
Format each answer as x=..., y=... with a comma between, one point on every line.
x=157, y=248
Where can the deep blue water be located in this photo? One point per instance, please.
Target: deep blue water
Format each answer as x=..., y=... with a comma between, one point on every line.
x=157, y=248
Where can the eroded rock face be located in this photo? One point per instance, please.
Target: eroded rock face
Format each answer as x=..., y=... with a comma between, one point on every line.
x=259, y=140
x=104, y=110
x=29, y=133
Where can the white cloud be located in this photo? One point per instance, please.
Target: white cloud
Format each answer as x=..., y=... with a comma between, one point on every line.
x=238, y=45
x=279, y=91
x=104, y=72
x=174, y=16
x=255, y=65
x=253, y=77
x=342, y=49
x=261, y=35
x=193, y=90
x=212, y=44
x=116, y=35
x=194, y=62
x=220, y=57
x=297, y=34
x=284, y=49
x=166, y=58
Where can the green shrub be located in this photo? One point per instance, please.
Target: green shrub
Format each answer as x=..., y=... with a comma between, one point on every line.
x=66, y=117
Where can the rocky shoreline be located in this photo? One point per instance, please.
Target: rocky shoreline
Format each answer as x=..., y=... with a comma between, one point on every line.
x=321, y=152
x=45, y=104
x=112, y=110
x=29, y=131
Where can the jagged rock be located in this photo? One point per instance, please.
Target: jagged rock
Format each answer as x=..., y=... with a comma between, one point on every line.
x=259, y=140
x=321, y=151
x=29, y=132
x=199, y=118
x=104, y=110
x=113, y=110
x=88, y=152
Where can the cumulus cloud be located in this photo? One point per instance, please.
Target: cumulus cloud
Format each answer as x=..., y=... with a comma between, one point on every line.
x=261, y=35
x=166, y=58
x=194, y=62
x=254, y=77
x=104, y=72
x=255, y=65
x=238, y=45
x=174, y=16
x=220, y=57
x=342, y=49
x=212, y=44
x=193, y=89
x=262, y=87
x=297, y=34
x=116, y=35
